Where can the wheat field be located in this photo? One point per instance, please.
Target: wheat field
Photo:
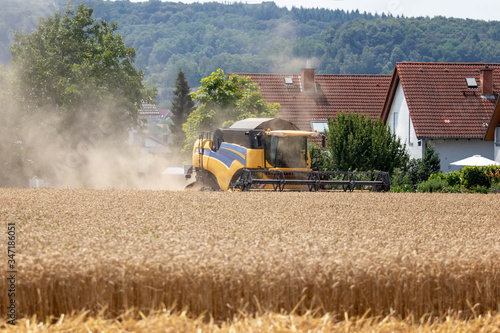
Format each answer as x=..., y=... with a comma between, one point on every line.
x=269, y=322
x=227, y=255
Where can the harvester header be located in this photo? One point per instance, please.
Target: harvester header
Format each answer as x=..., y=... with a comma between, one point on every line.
x=268, y=154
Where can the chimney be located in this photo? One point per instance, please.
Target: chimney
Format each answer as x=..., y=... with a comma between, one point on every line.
x=486, y=81
x=307, y=77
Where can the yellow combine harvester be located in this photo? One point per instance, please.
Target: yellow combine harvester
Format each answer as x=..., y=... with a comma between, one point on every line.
x=268, y=153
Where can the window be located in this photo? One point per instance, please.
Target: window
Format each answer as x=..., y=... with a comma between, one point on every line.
x=395, y=117
x=288, y=81
x=471, y=82
x=320, y=126
x=286, y=152
x=497, y=136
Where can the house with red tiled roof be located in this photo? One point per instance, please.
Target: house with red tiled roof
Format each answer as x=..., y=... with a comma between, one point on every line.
x=308, y=99
x=453, y=106
x=164, y=113
x=148, y=110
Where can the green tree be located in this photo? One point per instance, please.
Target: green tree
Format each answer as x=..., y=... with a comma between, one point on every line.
x=320, y=156
x=76, y=85
x=431, y=160
x=420, y=169
x=72, y=65
x=358, y=143
x=222, y=101
x=182, y=106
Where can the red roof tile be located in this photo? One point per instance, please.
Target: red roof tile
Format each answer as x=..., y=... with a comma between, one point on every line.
x=148, y=110
x=494, y=123
x=440, y=102
x=333, y=93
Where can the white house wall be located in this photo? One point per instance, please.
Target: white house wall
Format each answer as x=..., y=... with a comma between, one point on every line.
x=451, y=150
x=497, y=145
x=399, y=121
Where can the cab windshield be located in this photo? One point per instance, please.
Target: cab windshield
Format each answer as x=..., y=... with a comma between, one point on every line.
x=286, y=152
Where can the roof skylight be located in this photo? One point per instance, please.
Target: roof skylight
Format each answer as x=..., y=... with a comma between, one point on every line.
x=320, y=126
x=471, y=82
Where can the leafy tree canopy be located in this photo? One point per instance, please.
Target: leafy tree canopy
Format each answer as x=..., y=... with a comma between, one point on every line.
x=356, y=143
x=78, y=68
x=266, y=38
x=222, y=101
x=75, y=88
x=420, y=169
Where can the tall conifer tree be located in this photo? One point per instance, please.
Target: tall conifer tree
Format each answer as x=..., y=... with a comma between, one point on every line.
x=182, y=106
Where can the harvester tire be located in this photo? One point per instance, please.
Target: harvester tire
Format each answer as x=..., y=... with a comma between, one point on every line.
x=205, y=181
x=194, y=186
x=199, y=187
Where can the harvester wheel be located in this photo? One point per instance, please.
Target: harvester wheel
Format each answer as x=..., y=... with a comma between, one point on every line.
x=280, y=177
x=198, y=186
x=194, y=186
x=205, y=181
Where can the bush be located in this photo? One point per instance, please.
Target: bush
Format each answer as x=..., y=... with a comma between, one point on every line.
x=399, y=178
x=320, y=157
x=432, y=185
x=479, y=189
x=439, y=175
x=402, y=188
x=472, y=179
x=493, y=174
x=495, y=188
x=475, y=176
x=453, y=189
x=421, y=169
x=454, y=178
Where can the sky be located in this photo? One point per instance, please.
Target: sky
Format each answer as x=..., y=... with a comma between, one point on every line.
x=474, y=9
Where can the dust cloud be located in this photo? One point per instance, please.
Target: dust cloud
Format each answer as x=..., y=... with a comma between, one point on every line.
x=39, y=149
x=285, y=64
x=282, y=59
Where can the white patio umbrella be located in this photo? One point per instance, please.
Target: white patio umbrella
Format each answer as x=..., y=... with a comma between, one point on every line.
x=475, y=160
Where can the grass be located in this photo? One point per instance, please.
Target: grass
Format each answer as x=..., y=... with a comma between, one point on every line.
x=221, y=255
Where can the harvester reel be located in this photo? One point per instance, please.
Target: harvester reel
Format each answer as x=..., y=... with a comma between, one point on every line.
x=317, y=178
x=349, y=187
x=280, y=177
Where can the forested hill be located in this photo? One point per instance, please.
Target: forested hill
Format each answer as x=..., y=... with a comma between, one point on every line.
x=265, y=38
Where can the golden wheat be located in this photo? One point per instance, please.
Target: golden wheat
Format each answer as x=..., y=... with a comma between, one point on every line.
x=223, y=254
x=269, y=322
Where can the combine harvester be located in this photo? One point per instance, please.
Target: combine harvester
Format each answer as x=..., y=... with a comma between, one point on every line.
x=268, y=154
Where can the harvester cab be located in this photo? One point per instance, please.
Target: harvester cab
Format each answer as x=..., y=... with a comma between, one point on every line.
x=287, y=149
x=265, y=154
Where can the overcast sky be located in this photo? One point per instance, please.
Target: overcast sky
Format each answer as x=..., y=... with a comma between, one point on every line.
x=476, y=9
